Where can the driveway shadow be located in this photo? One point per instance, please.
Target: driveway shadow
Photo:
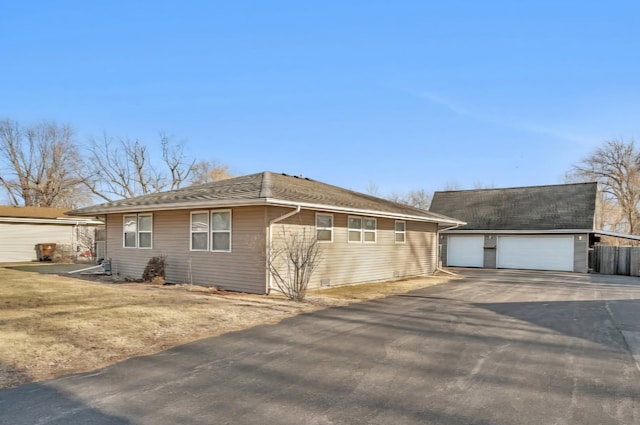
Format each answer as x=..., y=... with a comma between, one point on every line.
x=51, y=407
x=589, y=320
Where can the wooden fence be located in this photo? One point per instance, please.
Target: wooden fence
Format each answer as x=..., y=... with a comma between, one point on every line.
x=622, y=260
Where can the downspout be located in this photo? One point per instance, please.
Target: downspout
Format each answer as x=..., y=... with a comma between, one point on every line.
x=271, y=223
x=440, y=269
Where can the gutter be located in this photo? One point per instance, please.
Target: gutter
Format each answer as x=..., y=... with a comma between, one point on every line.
x=271, y=223
x=440, y=269
x=266, y=201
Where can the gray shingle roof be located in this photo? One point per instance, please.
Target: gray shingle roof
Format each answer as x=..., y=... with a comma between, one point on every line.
x=263, y=188
x=553, y=207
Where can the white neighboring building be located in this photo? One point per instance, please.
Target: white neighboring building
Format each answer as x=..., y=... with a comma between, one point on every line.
x=23, y=228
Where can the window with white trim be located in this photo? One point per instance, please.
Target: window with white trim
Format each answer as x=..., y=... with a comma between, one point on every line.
x=401, y=231
x=361, y=229
x=369, y=229
x=199, y=231
x=324, y=227
x=355, y=229
x=145, y=231
x=130, y=231
x=221, y=231
x=137, y=231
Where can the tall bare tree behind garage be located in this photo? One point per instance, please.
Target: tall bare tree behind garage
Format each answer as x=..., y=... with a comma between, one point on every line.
x=616, y=166
x=40, y=165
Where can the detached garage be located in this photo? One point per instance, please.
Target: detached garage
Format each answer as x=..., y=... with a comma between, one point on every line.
x=22, y=228
x=536, y=228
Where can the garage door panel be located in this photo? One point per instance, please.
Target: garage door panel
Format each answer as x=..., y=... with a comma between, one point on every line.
x=535, y=252
x=465, y=251
x=18, y=241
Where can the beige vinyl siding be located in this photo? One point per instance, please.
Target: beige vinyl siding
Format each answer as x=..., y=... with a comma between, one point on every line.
x=344, y=263
x=242, y=269
x=18, y=240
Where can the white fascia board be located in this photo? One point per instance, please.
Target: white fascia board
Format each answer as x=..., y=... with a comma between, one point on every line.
x=521, y=232
x=63, y=221
x=267, y=201
x=371, y=213
x=617, y=235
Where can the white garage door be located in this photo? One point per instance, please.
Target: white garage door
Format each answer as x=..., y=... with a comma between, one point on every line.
x=18, y=241
x=465, y=251
x=535, y=252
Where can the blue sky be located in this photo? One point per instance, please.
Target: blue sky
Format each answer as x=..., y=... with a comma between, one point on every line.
x=404, y=94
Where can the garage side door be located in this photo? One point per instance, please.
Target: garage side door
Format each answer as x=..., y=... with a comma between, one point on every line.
x=465, y=251
x=535, y=252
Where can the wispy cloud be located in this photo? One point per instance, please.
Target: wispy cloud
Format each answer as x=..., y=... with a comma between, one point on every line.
x=449, y=104
x=505, y=120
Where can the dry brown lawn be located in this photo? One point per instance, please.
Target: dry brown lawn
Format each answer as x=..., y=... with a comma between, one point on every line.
x=53, y=325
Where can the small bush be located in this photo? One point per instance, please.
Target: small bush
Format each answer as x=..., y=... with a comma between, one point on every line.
x=154, y=269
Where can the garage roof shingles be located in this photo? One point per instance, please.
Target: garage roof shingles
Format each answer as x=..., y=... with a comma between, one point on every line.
x=553, y=207
x=261, y=187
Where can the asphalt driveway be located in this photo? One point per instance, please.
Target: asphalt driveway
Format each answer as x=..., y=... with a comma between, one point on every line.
x=500, y=347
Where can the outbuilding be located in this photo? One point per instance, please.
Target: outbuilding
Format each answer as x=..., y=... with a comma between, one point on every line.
x=537, y=227
x=23, y=229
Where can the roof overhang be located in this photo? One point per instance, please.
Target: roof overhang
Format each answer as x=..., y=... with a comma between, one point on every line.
x=264, y=202
x=617, y=235
x=521, y=232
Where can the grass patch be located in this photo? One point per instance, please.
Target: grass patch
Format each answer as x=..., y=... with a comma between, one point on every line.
x=53, y=325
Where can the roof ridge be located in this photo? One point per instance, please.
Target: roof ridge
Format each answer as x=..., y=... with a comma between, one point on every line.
x=265, y=185
x=515, y=187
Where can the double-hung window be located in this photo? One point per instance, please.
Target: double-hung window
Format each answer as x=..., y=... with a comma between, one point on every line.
x=369, y=229
x=200, y=231
x=361, y=229
x=324, y=227
x=211, y=231
x=355, y=229
x=130, y=234
x=221, y=231
x=137, y=231
x=400, y=231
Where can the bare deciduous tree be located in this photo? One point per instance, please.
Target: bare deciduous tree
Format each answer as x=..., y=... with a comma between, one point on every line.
x=123, y=168
x=616, y=167
x=372, y=188
x=40, y=165
x=419, y=198
x=292, y=260
x=209, y=172
x=176, y=161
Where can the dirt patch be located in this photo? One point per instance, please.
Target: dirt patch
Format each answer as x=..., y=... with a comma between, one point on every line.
x=54, y=325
